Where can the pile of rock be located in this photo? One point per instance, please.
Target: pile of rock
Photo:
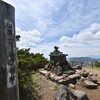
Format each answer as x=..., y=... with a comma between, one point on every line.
x=66, y=89
x=70, y=77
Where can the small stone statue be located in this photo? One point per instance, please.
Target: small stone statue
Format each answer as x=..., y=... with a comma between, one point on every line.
x=56, y=49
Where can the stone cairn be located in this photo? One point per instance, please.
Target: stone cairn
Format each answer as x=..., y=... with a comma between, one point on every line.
x=61, y=72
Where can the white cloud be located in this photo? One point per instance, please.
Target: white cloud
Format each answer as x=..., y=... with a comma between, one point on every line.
x=85, y=36
x=95, y=27
x=86, y=42
x=96, y=36
x=65, y=39
x=28, y=38
x=82, y=36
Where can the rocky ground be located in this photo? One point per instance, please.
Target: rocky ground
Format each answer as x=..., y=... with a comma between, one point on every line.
x=93, y=94
x=47, y=88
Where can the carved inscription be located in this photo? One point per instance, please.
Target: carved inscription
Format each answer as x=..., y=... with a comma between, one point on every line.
x=10, y=49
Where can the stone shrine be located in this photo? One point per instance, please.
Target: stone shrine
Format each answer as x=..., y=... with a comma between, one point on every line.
x=58, y=63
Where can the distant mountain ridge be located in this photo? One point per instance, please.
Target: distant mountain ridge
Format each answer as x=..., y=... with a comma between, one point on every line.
x=94, y=56
x=83, y=60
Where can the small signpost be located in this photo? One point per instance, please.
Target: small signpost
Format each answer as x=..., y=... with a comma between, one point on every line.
x=8, y=59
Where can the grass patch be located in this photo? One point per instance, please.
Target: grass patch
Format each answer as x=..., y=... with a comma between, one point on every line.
x=55, y=86
x=89, y=67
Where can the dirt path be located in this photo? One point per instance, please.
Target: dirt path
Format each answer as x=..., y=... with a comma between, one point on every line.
x=46, y=88
x=92, y=70
x=95, y=72
x=47, y=91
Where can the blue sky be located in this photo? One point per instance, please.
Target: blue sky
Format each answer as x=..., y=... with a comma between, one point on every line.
x=73, y=25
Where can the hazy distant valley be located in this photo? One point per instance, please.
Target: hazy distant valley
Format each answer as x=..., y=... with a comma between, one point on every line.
x=83, y=60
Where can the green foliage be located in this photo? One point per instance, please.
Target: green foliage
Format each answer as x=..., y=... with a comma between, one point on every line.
x=97, y=64
x=27, y=62
x=55, y=86
x=26, y=86
x=17, y=38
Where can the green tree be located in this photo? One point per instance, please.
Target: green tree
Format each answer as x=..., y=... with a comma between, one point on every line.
x=97, y=64
x=27, y=60
x=27, y=64
x=18, y=38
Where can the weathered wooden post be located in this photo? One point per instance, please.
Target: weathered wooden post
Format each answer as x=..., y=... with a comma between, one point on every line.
x=8, y=58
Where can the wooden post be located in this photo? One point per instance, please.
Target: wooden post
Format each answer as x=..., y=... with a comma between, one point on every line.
x=8, y=59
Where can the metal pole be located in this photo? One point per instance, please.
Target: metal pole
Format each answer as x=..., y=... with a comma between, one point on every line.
x=8, y=58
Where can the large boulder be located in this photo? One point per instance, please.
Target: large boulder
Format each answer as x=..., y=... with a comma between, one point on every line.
x=90, y=84
x=80, y=95
x=85, y=74
x=64, y=81
x=69, y=72
x=63, y=93
x=73, y=78
x=44, y=72
x=59, y=70
x=77, y=67
x=92, y=79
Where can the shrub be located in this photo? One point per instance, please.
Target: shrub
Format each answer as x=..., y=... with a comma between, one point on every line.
x=27, y=62
x=97, y=64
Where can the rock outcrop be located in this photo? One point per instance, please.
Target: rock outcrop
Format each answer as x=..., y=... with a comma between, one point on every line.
x=63, y=93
